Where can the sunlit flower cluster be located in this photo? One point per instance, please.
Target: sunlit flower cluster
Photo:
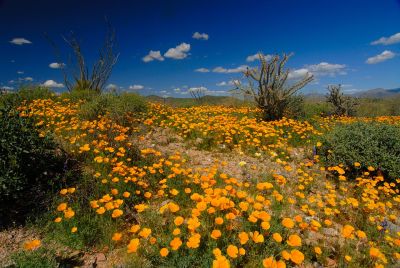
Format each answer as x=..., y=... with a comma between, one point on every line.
x=168, y=209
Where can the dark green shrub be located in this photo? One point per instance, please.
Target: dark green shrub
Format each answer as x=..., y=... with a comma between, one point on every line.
x=118, y=107
x=38, y=258
x=30, y=167
x=371, y=144
x=28, y=93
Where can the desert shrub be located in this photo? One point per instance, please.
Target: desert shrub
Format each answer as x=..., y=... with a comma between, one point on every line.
x=119, y=107
x=37, y=258
x=316, y=109
x=29, y=167
x=295, y=108
x=28, y=94
x=77, y=95
x=371, y=144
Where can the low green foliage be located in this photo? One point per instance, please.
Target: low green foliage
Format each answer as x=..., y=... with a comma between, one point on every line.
x=37, y=258
x=120, y=108
x=369, y=143
x=77, y=95
x=28, y=94
x=29, y=167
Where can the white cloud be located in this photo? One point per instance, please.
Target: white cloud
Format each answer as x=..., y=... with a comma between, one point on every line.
x=136, y=87
x=230, y=83
x=221, y=84
x=6, y=88
x=20, y=41
x=177, y=89
x=298, y=74
x=385, y=55
x=325, y=68
x=52, y=83
x=200, y=36
x=202, y=70
x=239, y=69
x=153, y=55
x=254, y=57
x=179, y=52
x=320, y=69
x=387, y=40
x=56, y=65
x=20, y=72
x=27, y=79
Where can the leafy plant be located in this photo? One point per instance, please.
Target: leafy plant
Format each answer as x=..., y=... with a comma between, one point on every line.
x=26, y=93
x=29, y=168
x=119, y=107
x=371, y=144
x=269, y=88
x=37, y=258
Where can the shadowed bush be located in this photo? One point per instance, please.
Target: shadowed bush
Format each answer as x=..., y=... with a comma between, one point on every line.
x=30, y=167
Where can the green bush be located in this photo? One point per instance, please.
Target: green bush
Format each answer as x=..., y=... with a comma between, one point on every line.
x=119, y=107
x=77, y=95
x=316, y=108
x=29, y=93
x=29, y=168
x=370, y=144
x=37, y=258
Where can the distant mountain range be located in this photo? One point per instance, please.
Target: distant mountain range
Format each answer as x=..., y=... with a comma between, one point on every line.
x=378, y=93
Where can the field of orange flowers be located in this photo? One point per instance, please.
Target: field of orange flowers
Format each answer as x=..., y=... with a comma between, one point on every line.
x=156, y=210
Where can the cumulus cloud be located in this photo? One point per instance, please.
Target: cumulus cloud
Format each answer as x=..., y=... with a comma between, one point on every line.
x=136, y=87
x=56, y=65
x=387, y=40
x=28, y=78
x=200, y=36
x=179, y=52
x=239, y=69
x=20, y=72
x=385, y=55
x=298, y=74
x=177, y=89
x=52, y=84
x=202, y=70
x=320, y=69
x=254, y=57
x=325, y=68
x=230, y=83
x=20, y=41
x=6, y=88
x=221, y=84
x=153, y=55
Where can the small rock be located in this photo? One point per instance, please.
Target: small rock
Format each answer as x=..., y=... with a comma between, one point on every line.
x=330, y=232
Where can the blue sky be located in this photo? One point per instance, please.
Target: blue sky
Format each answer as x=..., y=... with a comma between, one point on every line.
x=355, y=43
